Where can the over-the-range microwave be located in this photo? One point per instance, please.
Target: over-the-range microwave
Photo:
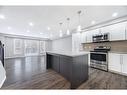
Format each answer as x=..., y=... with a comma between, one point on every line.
x=100, y=37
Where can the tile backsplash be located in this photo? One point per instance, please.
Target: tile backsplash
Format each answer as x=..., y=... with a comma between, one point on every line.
x=116, y=46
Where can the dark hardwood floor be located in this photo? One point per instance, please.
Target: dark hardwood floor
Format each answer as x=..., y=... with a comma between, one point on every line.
x=30, y=73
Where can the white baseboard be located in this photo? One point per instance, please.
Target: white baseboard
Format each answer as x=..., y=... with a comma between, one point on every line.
x=2, y=82
x=120, y=73
x=23, y=56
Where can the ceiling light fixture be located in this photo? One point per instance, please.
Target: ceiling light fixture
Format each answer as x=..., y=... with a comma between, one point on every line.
x=93, y=22
x=61, y=33
x=9, y=28
x=2, y=16
x=48, y=28
x=68, y=31
x=31, y=24
x=79, y=26
x=115, y=14
x=41, y=33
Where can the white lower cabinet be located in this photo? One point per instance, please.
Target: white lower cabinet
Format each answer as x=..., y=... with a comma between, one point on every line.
x=118, y=63
x=124, y=63
x=114, y=62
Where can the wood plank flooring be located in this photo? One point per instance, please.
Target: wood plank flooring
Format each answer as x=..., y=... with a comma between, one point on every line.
x=104, y=80
x=30, y=73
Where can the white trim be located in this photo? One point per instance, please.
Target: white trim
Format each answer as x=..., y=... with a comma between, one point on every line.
x=120, y=73
x=25, y=56
x=23, y=37
x=3, y=81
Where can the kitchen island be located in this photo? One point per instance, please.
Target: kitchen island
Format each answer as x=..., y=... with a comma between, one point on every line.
x=71, y=65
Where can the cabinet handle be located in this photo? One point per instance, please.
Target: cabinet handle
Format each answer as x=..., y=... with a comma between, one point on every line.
x=125, y=34
x=121, y=59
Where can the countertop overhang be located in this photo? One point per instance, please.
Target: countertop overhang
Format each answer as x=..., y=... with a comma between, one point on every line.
x=68, y=53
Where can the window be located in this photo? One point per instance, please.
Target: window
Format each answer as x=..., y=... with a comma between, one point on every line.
x=31, y=47
x=17, y=46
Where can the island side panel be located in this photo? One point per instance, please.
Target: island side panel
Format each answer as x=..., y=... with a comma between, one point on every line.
x=48, y=61
x=79, y=70
x=53, y=62
x=65, y=66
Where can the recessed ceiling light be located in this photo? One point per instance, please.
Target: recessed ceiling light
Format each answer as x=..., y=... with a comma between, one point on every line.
x=9, y=28
x=31, y=24
x=93, y=22
x=48, y=28
x=28, y=31
x=41, y=33
x=2, y=16
x=115, y=14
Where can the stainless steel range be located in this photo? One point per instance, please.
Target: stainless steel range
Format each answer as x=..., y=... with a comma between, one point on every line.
x=99, y=57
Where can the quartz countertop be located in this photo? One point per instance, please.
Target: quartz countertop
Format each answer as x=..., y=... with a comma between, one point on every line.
x=2, y=74
x=69, y=53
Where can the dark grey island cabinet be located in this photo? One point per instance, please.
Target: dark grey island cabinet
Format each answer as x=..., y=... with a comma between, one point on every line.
x=73, y=68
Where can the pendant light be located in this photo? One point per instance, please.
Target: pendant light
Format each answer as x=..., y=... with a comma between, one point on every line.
x=61, y=33
x=68, y=31
x=79, y=26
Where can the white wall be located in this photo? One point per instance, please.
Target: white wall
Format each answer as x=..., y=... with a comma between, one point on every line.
x=63, y=44
x=48, y=45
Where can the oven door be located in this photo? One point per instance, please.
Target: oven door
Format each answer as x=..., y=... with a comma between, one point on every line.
x=98, y=56
x=98, y=60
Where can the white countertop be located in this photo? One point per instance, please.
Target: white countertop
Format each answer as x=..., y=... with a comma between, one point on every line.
x=2, y=74
x=69, y=53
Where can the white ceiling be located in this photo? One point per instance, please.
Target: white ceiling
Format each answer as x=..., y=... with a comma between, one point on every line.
x=18, y=17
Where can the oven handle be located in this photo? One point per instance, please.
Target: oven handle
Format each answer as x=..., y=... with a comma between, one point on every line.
x=98, y=53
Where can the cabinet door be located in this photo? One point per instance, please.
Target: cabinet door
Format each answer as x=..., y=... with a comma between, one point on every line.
x=124, y=63
x=114, y=62
x=116, y=31
x=126, y=30
x=55, y=62
x=83, y=37
x=79, y=70
x=90, y=35
x=76, y=41
x=65, y=66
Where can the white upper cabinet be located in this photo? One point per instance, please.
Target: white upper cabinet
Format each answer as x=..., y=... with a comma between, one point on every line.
x=76, y=41
x=116, y=31
x=83, y=37
x=90, y=35
x=126, y=30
